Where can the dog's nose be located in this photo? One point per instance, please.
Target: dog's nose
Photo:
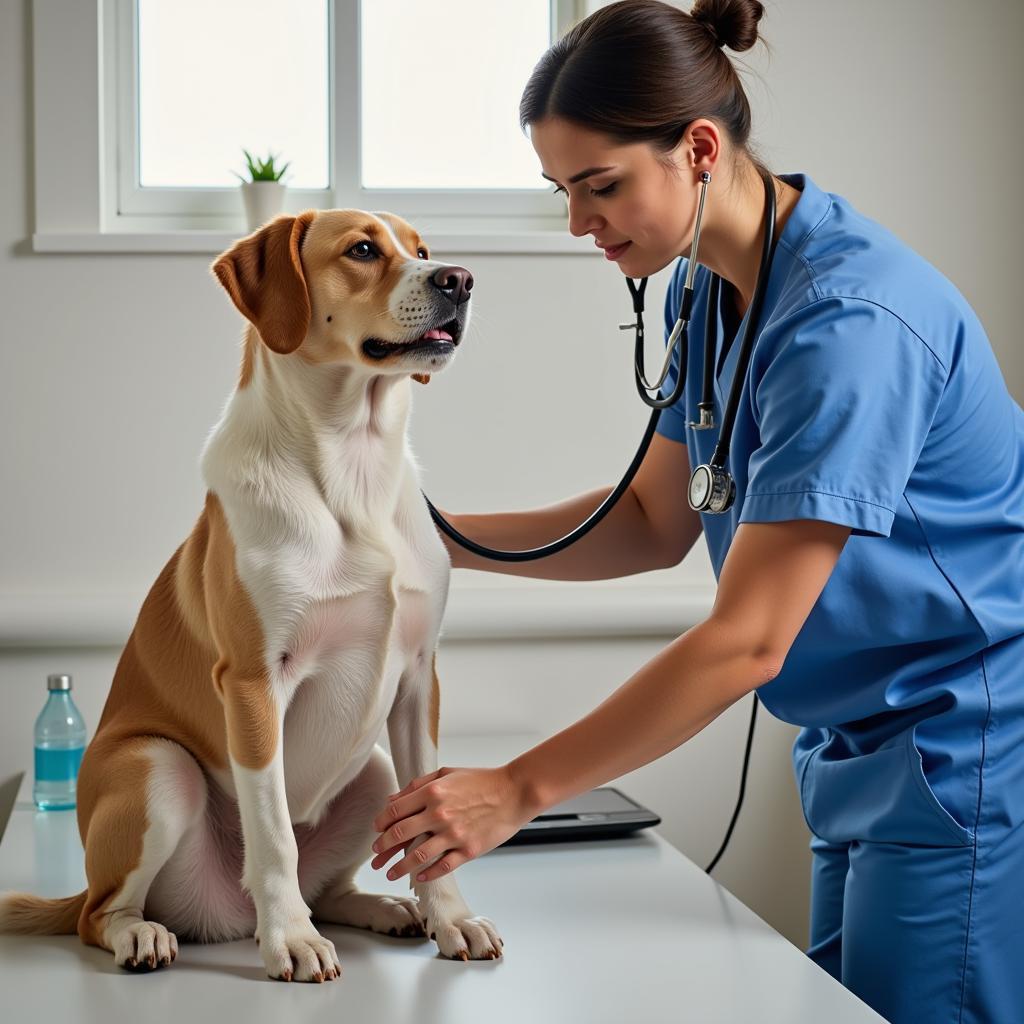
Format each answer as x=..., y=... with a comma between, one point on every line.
x=456, y=282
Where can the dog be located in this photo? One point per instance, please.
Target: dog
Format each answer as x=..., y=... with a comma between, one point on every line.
x=232, y=783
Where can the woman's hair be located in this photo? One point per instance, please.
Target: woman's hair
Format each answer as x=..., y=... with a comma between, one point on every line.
x=642, y=71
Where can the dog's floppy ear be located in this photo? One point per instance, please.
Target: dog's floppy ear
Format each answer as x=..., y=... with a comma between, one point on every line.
x=263, y=275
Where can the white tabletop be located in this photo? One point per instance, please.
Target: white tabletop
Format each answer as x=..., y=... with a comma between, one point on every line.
x=598, y=931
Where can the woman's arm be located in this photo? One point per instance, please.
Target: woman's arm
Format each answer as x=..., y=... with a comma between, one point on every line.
x=650, y=527
x=771, y=578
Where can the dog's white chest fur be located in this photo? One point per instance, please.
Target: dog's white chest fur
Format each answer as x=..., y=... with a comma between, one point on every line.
x=349, y=581
x=350, y=654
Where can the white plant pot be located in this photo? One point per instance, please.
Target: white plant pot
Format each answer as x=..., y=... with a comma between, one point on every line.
x=263, y=201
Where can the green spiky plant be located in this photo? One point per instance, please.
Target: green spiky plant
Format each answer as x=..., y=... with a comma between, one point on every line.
x=262, y=170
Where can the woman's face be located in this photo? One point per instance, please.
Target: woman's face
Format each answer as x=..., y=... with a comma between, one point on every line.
x=632, y=199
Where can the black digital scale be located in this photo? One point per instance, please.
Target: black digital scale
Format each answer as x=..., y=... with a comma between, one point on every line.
x=600, y=814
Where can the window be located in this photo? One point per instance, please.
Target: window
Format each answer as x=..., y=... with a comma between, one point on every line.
x=210, y=78
x=422, y=121
x=440, y=98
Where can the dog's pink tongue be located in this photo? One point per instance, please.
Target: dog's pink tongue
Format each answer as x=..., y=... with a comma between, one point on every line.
x=437, y=334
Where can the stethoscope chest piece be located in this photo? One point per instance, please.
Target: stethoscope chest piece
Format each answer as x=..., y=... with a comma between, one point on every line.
x=712, y=489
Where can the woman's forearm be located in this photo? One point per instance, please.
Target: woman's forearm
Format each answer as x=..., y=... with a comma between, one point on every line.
x=621, y=544
x=671, y=698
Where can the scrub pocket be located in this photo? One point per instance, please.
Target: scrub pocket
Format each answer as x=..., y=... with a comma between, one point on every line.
x=879, y=797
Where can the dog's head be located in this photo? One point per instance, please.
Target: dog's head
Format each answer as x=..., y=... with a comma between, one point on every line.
x=346, y=286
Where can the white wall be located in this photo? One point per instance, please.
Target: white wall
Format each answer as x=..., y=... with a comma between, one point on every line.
x=113, y=368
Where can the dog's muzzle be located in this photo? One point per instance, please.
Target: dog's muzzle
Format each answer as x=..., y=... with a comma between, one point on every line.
x=439, y=340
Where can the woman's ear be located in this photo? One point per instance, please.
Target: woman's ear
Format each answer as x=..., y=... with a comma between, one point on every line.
x=263, y=275
x=423, y=378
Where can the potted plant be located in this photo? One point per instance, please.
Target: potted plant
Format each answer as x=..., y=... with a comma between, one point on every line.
x=263, y=193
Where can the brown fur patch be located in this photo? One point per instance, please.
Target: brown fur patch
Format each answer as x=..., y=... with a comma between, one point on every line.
x=250, y=345
x=240, y=674
x=21, y=913
x=355, y=291
x=263, y=275
x=435, y=705
x=163, y=682
x=192, y=672
x=405, y=233
x=113, y=821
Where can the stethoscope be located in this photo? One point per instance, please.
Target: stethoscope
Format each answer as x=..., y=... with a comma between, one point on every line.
x=711, y=488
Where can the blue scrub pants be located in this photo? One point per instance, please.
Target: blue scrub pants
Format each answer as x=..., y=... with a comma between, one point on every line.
x=920, y=917
x=923, y=934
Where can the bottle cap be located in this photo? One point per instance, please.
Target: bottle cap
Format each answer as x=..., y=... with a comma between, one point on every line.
x=58, y=682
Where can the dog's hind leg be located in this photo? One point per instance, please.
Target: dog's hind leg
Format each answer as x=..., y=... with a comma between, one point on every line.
x=137, y=797
x=331, y=853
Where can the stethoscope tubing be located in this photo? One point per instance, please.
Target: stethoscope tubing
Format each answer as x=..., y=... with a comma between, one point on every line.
x=749, y=335
x=681, y=322
x=570, y=538
x=680, y=336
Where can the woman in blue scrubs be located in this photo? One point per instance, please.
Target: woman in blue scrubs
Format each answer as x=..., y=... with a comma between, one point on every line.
x=871, y=570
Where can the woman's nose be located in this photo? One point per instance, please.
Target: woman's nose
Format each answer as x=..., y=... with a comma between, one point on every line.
x=582, y=221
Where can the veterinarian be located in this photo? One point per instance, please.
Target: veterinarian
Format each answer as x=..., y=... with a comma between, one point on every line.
x=871, y=568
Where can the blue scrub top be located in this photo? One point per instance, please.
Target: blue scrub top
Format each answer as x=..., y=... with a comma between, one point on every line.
x=874, y=400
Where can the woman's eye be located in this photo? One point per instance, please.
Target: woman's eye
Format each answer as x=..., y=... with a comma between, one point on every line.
x=362, y=250
x=606, y=191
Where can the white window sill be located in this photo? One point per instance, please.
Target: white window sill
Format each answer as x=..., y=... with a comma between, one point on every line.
x=214, y=242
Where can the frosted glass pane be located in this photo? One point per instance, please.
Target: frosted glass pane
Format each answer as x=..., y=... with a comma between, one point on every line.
x=218, y=76
x=441, y=84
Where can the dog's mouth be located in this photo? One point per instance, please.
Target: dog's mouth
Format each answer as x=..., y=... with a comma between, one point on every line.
x=437, y=340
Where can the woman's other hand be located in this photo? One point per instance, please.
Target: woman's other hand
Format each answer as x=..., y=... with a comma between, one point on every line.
x=465, y=812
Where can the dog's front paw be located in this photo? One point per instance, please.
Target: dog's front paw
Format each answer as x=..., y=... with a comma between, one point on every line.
x=466, y=938
x=296, y=951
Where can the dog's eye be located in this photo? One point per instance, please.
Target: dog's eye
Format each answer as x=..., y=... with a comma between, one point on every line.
x=422, y=253
x=363, y=251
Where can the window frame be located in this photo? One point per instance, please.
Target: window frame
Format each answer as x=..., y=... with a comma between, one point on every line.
x=132, y=205
x=511, y=203
x=78, y=148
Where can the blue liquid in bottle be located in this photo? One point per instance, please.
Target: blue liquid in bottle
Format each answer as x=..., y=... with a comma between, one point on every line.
x=59, y=746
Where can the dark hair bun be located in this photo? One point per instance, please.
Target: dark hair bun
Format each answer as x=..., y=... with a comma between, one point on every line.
x=731, y=23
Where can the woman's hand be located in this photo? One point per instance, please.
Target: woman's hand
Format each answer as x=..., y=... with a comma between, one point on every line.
x=464, y=811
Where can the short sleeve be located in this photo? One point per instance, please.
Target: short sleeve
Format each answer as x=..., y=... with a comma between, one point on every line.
x=844, y=394
x=672, y=422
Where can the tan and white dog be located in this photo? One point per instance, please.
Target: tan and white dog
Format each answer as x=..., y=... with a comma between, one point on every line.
x=232, y=783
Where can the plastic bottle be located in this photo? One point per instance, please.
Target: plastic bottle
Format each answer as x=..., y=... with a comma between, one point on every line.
x=60, y=743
